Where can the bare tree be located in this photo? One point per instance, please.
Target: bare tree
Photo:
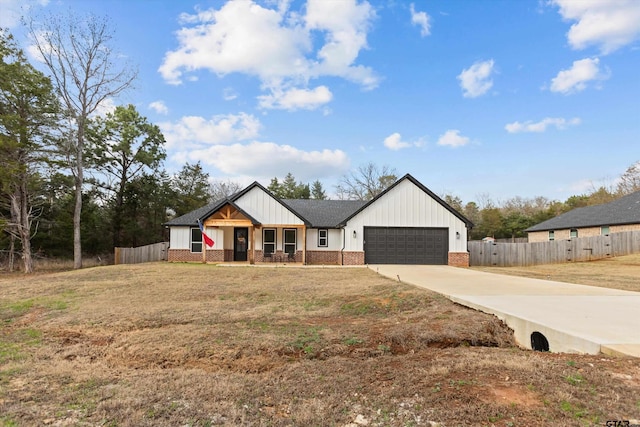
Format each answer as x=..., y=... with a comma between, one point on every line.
x=366, y=182
x=221, y=189
x=630, y=180
x=86, y=72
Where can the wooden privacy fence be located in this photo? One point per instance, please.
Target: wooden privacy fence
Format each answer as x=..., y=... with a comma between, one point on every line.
x=556, y=251
x=149, y=253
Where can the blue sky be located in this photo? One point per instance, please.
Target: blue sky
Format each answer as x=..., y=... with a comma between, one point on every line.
x=498, y=98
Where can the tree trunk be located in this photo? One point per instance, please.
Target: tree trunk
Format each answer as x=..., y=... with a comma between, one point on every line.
x=77, y=211
x=12, y=253
x=20, y=214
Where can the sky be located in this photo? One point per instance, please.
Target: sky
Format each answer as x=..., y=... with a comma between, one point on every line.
x=474, y=98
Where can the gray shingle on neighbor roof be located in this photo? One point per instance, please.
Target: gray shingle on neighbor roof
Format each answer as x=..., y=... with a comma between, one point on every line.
x=625, y=210
x=324, y=213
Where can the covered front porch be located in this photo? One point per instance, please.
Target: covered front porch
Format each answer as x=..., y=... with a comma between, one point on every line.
x=242, y=239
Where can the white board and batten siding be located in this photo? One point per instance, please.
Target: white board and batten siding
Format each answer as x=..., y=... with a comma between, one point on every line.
x=265, y=209
x=406, y=205
x=334, y=242
x=180, y=237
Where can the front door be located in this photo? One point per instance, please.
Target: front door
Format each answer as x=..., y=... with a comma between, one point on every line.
x=240, y=243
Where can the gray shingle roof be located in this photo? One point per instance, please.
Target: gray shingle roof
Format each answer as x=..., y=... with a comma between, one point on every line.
x=625, y=210
x=191, y=218
x=315, y=213
x=320, y=213
x=324, y=213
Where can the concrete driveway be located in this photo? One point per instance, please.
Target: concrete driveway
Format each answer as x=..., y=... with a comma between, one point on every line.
x=572, y=318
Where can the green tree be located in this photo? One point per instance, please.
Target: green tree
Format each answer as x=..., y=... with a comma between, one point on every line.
x=514, y=224
x=191, y=187
x=317, y=192
x=122, y=147
x=490, y=222
x=289, y=188
x=454, y=201
x=147, y=200
x=28, y=111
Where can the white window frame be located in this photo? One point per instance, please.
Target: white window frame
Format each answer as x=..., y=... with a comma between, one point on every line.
x=552, y=235
x=195, y=232
x=322, y=244
x=285, y=244
x=573, y=233
x=265, y=242
x=605, y=230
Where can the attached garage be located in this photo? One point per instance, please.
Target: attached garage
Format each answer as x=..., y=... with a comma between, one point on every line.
x=405, y=224
x=406, y=245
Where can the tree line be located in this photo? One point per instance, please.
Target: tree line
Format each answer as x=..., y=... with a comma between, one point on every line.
x=74, y=183
x=510, y=218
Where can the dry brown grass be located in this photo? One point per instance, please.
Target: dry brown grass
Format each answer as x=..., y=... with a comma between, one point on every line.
x=617, y=273
x=179, y=344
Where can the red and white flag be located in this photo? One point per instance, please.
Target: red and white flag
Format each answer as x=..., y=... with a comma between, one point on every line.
x=208, y=240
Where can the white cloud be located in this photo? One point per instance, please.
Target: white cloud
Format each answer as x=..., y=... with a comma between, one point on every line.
x=452, y=138
x=228, y=94
x=159, y=107
x=295, y=99
x=541, y=126
x=12, y=10
x=575, y=78
x=108, y=105
x=421, y=19
x=275, y=45
x=394, y=142
x=267, y=159
x=476, y=80
x=345, y=25
x=607, y=24
x=195, y=131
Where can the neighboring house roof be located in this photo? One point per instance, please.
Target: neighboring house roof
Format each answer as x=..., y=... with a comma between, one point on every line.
x=325, y=213
x=315, y=213
x=625, y=210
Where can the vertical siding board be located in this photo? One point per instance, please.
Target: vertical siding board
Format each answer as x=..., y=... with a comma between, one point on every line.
x=406, y=205
x=266, y=209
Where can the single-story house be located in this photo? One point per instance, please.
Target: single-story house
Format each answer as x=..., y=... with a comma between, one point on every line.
x=613, y=217
x=405, y=224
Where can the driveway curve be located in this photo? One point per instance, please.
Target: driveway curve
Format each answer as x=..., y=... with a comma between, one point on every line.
x=572, y=318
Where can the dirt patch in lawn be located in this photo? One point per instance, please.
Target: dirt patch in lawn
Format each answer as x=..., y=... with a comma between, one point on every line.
x=616, y=273
x=180, y=344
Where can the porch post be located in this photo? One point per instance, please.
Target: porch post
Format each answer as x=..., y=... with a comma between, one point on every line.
x=304, y=248
x=204, y=244
x=252, y=254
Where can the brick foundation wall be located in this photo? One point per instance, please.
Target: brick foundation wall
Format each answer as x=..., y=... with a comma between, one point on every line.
x=185, y=255
x=458, y=259
x=323, y=257
x=353, y=258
